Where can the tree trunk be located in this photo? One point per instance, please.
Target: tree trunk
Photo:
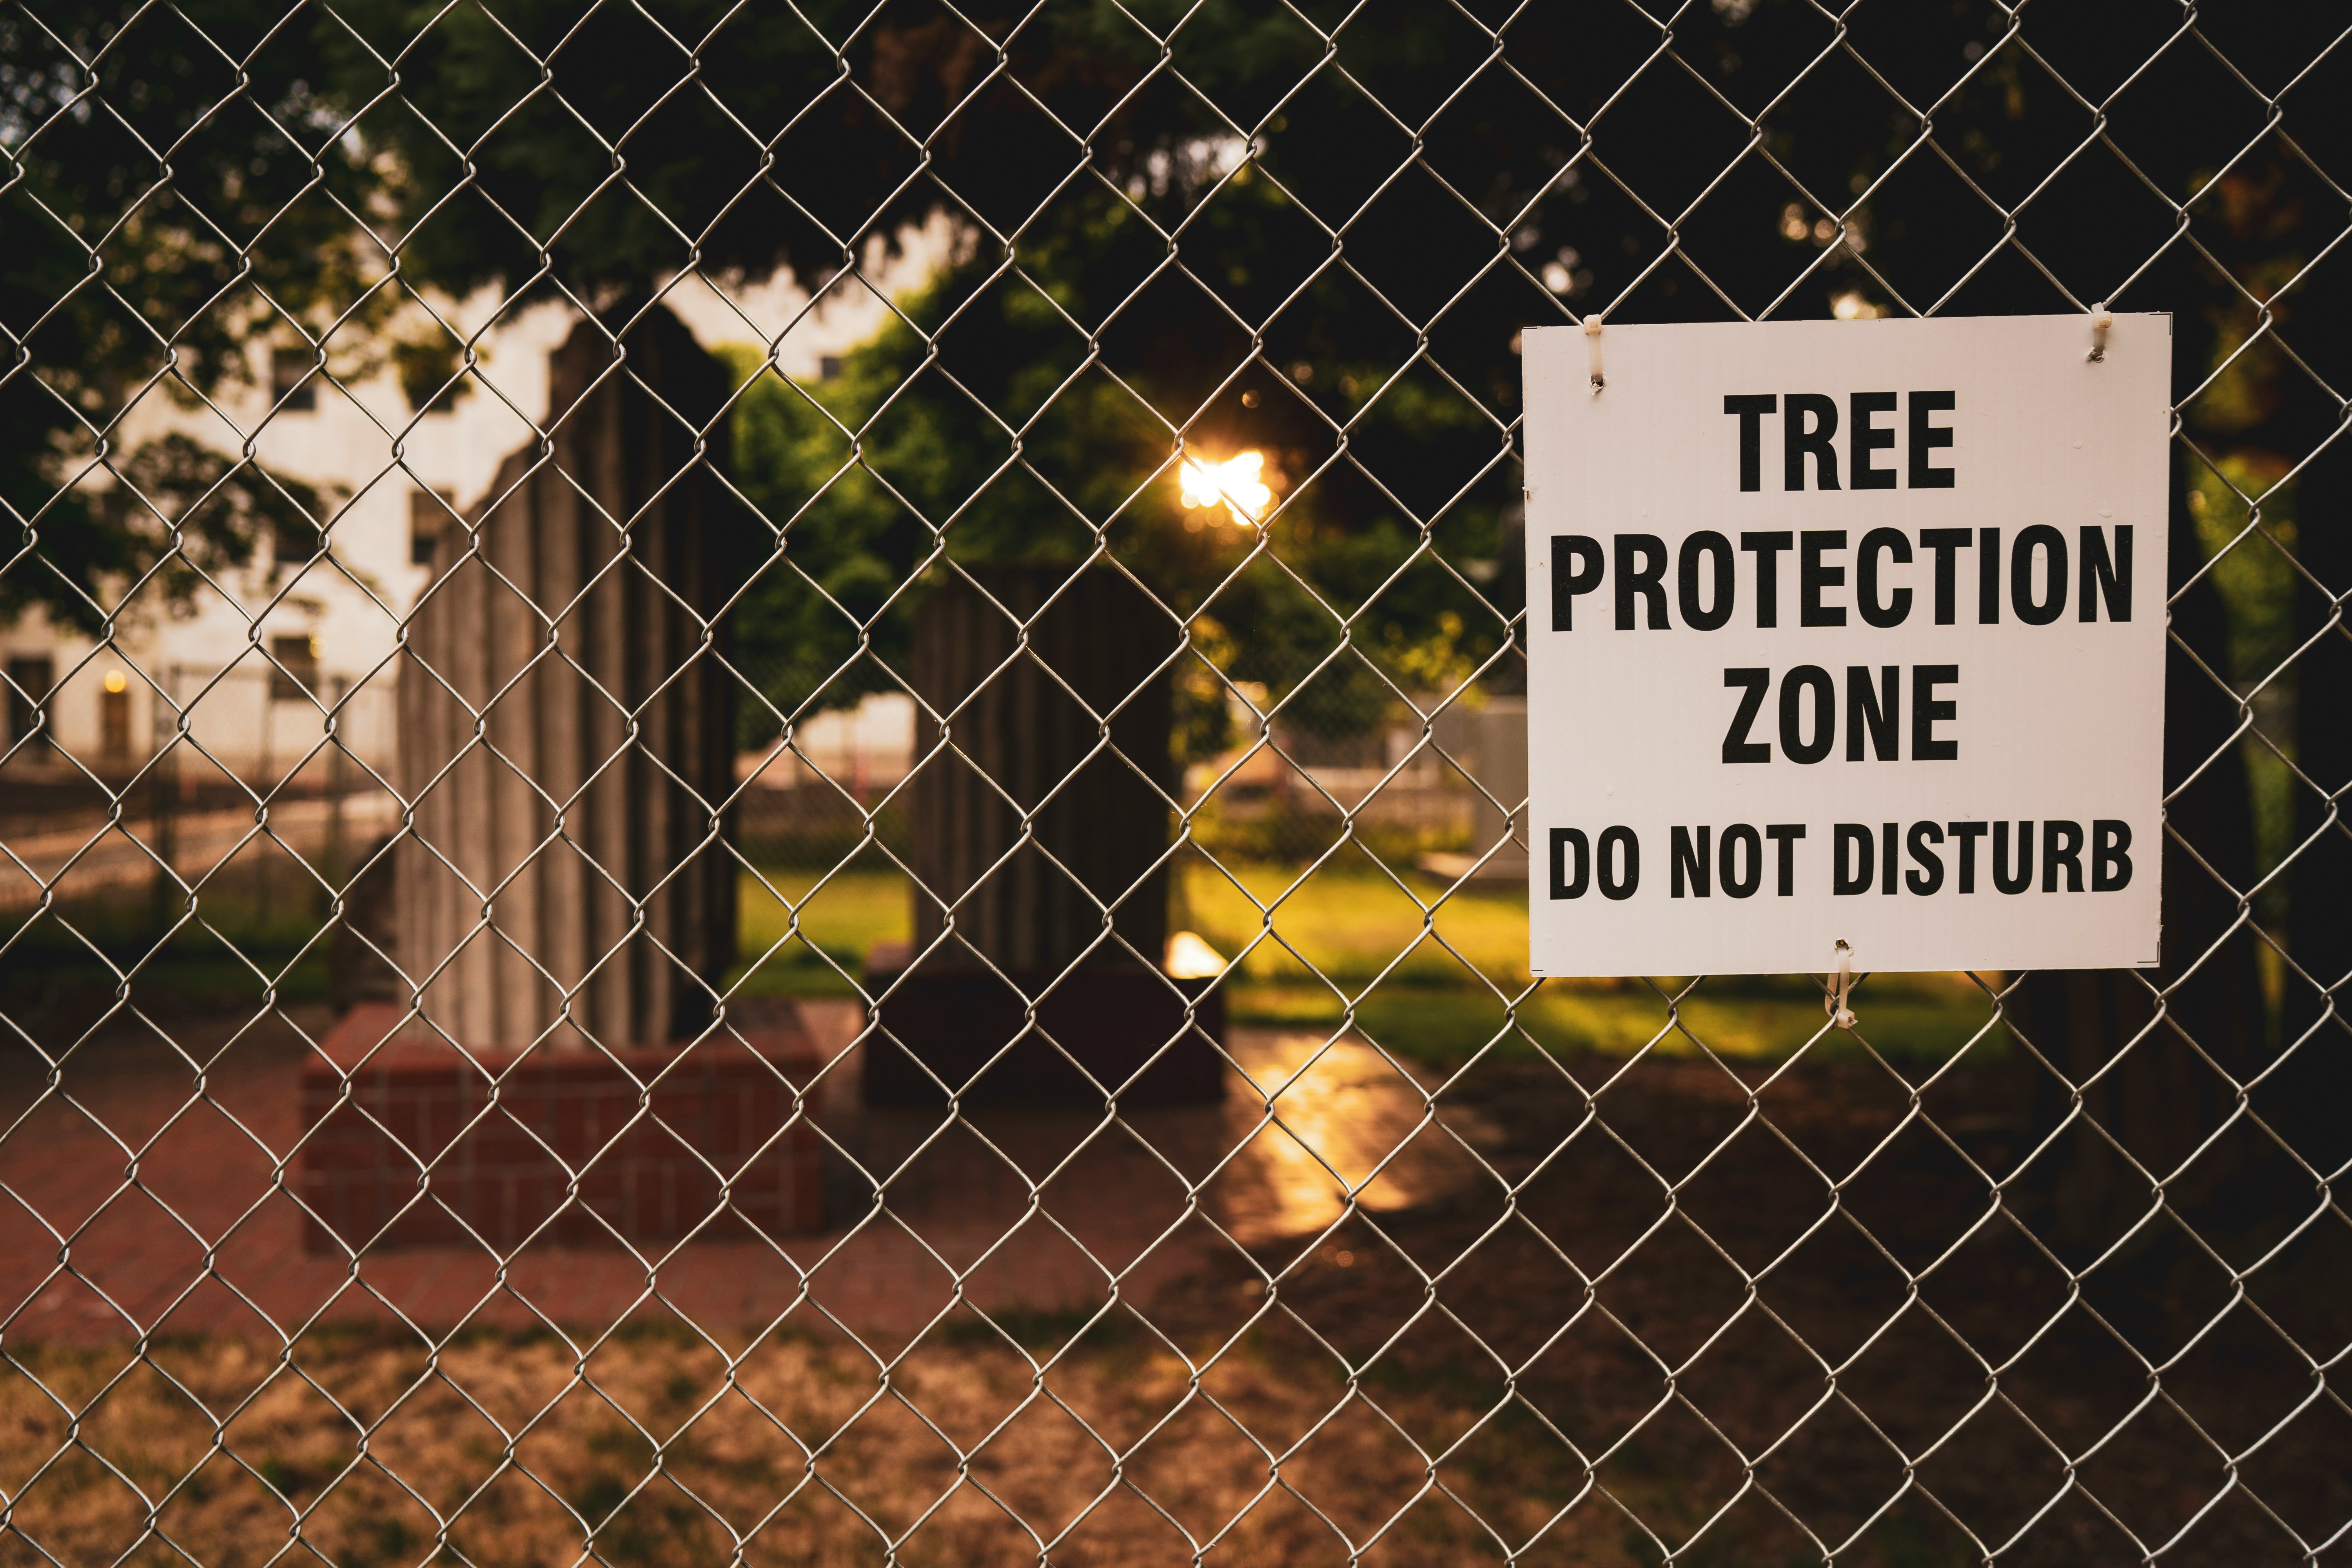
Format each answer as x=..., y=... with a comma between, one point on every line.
x=1040, y=830
x=2309, y=1101
x=566, y=734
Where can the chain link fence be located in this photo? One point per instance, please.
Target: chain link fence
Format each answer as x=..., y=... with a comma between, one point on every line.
x=765, y=790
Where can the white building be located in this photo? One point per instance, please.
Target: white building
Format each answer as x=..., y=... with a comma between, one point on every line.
x=330, y=624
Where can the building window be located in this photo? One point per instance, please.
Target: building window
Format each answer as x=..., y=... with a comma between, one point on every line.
x=291, y=382
x=29, y=681
x=297, y=675
x=114, y=718
x=828, y=367
x=428, y=513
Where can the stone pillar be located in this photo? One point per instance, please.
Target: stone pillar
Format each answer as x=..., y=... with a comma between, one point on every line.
x=565, y=732
x=1098, y=828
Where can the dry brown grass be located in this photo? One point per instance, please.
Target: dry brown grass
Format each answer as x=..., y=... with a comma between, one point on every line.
x=503, y=1442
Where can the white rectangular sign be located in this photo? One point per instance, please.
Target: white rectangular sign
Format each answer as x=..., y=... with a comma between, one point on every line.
x=1846, y=631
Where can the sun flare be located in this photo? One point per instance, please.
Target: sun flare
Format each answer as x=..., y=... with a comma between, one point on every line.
x=1235, y=484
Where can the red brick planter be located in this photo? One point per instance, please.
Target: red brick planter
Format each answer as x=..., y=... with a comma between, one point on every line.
x=645, y=1177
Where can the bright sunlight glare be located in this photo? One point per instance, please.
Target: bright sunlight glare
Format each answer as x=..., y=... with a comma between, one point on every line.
x=1233, y=483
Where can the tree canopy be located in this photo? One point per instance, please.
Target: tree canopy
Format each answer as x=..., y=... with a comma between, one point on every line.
x=1313, y=233
x=1247, y=246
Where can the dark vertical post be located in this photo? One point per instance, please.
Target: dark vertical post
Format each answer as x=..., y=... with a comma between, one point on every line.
x=1040, y=835
x=1018, y=738
x=335, y=863
x=2310, y=1104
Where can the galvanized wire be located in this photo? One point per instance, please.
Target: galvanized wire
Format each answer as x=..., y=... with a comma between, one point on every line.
x=255, y=806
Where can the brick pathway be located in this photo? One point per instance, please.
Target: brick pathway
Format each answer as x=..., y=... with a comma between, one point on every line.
x=141, y=1165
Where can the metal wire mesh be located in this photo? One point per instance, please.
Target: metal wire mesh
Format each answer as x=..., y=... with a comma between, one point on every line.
x=905, y=1229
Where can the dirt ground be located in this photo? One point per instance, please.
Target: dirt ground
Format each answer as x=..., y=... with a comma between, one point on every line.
x=1595, y=1313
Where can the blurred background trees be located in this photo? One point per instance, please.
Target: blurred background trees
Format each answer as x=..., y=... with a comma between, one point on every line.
x=1252, y=240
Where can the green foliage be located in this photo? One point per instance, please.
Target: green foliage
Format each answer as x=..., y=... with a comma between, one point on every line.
x=990, y=425
x=502, y=168
x=255, y=939
x=541, y=146
x=843, y=543
x=176, y=509
x=430, y=369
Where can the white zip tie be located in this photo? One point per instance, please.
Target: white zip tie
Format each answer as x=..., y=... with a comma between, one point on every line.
x=1593, y=341
x=2101, y=319
x=1838, y=1003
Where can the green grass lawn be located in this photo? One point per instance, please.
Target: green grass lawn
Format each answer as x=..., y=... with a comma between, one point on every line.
x=1902, y=1020
x=1355, y=924
x=1433, y=987
x=1420, y=984
x=841, y=918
